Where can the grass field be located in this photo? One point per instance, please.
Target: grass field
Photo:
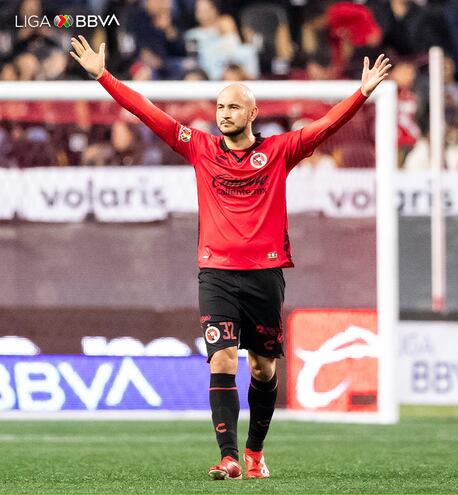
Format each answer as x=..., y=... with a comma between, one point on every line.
x=420, y=455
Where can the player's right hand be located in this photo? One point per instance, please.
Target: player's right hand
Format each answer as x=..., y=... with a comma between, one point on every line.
x=93, y=62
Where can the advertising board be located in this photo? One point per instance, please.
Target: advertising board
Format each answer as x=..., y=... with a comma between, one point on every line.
x=333, y=361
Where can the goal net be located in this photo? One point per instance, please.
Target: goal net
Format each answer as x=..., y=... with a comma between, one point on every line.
x=97, y=213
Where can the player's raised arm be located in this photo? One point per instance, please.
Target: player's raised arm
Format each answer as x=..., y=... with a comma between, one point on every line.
x=93, y=62
x=314, y=134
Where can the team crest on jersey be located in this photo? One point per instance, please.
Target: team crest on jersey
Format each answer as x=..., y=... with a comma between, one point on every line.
x=258, y=160
x=212, y=335
x=184, y=134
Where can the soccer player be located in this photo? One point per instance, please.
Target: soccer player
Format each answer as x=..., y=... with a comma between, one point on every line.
x=243, y=240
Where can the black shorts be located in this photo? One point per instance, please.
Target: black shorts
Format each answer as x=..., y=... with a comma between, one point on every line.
x=242, y=308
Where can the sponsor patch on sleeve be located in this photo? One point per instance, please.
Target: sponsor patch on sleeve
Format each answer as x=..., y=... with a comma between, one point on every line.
x=184, y=134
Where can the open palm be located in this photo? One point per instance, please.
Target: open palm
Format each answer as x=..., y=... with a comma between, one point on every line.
x=93, y=62
x=371, y=78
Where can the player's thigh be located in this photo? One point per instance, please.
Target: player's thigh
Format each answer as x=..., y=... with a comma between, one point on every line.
x=219, y=309
x=262, y=305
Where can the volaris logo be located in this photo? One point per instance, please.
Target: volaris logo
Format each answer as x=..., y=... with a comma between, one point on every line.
x=63, y=21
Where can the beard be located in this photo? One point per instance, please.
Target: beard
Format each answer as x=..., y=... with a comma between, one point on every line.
x=233, y=132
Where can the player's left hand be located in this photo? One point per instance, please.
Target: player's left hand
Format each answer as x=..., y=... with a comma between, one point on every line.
x=371, y=78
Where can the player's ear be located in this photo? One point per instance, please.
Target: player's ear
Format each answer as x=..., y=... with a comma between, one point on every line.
x=253, y=114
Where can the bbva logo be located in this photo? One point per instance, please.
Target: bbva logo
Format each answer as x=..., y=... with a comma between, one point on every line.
x=39, y=385
x=65, y=20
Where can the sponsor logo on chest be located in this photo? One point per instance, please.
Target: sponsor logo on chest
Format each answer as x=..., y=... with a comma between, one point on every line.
x=226, y=185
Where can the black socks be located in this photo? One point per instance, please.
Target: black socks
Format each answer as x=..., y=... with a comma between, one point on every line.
x=225, y=406
x=261, y=399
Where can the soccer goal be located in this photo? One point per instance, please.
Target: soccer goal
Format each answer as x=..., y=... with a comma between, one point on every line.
x=346, y=372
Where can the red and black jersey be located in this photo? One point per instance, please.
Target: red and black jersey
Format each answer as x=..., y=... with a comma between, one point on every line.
x=243, y=222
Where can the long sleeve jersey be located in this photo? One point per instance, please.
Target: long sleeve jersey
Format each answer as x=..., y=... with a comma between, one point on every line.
x=243, y=222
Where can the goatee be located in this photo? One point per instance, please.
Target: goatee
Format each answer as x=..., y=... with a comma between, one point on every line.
x=233, y=133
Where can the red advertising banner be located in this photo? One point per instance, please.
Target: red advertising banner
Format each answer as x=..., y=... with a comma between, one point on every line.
x=333, y=360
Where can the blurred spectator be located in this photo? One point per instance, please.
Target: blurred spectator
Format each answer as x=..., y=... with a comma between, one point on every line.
x=235, y=72
x=431, y=27
x=8, y=9
x=183, y=14
x=121, y=45
x=216, y=42
x=32, y=146
x=353, y=33
x=451, y=17
x=269, y=128
x=335, y=37
x=96, y=155
x=195, y=75
x=357, y=154
x=140, y=71
x=315, y=52
x=410, y=29
x=320, y=161
x=316, y=70
x=451, y=146
x=54, y=65
x=8, y=159
x=398, y=20
x=27, y=66
x=451, y=86
x=127, y=147
x=404, y=74
x=27, y=9
x=450, y=93
x=34, y=39
x=70, y=140
x=8, y=72
x=419, y=158
x=159, y=44
x=266, y=27
x=211, y=25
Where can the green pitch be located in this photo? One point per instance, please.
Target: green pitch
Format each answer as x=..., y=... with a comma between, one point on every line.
x=420, y=455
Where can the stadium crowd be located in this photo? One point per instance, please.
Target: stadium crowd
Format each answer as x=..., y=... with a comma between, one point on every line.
x=222, y=40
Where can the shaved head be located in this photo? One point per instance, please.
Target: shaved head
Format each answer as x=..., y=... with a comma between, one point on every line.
x=235, y=110
x=238, y=92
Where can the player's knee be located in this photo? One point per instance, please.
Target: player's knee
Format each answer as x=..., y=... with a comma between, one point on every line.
x=224, y=361
x=262, y=369
x=262, y=375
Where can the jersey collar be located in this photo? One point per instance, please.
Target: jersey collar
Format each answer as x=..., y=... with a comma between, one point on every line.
x=258, y=140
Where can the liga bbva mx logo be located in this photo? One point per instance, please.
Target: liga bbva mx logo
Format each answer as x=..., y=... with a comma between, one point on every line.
x=61, y=21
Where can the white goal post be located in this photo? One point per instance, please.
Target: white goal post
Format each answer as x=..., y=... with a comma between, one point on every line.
x=385, y=99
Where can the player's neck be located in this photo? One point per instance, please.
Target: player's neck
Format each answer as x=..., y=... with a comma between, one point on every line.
x=240, y=142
